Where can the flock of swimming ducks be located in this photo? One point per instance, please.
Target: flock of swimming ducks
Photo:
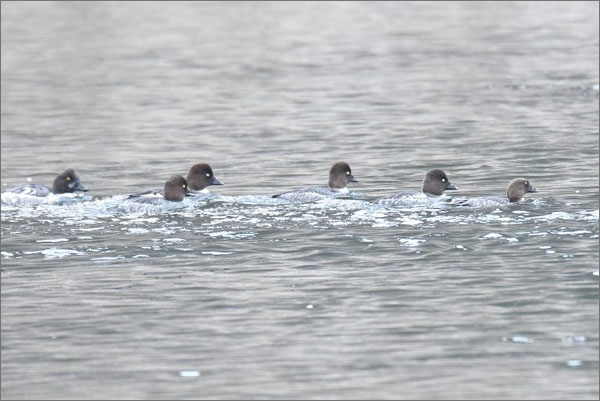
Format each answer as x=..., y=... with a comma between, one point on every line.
x=201, y=175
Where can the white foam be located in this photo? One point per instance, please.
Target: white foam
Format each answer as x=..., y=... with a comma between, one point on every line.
x=577, y=232
x=520, y=339
x=138, y=230
x=52, y=253
x=411, y=242
x=189, y=373
x=107, y=259
x=493, y=236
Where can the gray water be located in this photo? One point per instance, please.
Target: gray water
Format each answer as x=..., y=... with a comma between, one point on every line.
x=242, y=297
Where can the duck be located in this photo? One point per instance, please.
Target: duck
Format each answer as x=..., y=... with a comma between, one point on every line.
x=200, y=176
x=515, y=192
x=66, y=182
x=340, y=175
x=436, y=181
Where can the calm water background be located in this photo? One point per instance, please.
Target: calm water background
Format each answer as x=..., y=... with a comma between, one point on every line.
x=240, y=298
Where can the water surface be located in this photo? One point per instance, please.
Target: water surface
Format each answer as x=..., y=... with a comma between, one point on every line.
x=240, y=296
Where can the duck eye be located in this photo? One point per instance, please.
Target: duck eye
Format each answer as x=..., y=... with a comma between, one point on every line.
x=443, y=180
x=526, y=183
x=68, y=178
x=347, y=173
x=183, y=186
x=208, y=175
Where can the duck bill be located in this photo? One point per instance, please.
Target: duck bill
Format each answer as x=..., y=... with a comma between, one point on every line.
x=450, y=187
x=215, y=181
x=353, y=178
x=78, y=186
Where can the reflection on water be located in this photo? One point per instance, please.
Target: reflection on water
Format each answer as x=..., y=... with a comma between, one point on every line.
x=240, y=295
